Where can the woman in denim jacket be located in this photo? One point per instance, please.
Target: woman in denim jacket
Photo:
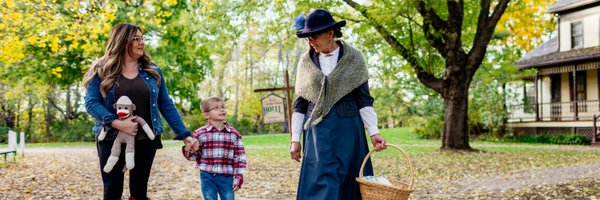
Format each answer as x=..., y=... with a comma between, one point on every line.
x=127, y=70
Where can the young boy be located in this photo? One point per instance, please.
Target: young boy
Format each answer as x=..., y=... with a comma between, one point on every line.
x=218, y=152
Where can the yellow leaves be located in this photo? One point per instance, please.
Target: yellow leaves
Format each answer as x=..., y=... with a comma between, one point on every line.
x=75, y=44
x=9, y=3
x=54, y=44
x=41, y=25
x=72, y=5
x=42, y=45
x=157, y=21
x=207, y=6
x=528, y=22
x=11, y=50
x=12, y=17
x=170, y=3
x=32, y=39
x=167, y=13
x=56, y=72
x=110, y=16
x=106, y=28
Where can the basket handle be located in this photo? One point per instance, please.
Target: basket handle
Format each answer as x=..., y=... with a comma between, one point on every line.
x=412, y=171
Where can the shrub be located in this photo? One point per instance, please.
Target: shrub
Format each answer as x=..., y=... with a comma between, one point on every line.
x=539, y=138
x=431, y=128
x=4, y=134
x=569, y=139
x=555, y=139
x=494, y=138
x=77, y=130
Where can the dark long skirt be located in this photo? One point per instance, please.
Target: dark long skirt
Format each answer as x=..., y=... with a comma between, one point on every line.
x=333, y=152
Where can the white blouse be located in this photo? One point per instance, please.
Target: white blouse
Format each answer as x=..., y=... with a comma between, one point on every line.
x=368, y=115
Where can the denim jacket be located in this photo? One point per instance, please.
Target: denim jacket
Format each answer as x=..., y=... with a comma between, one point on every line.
x=104, y=113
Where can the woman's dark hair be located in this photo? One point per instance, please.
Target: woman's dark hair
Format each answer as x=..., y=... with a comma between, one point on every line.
x=337, y=33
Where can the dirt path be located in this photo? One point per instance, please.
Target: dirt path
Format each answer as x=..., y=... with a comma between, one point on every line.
x=83, y=161
x=517, y=181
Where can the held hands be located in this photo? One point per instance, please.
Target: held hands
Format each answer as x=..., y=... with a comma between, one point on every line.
x=128, y=125
x=378, y=142
x=191, y=144
x=295, y=151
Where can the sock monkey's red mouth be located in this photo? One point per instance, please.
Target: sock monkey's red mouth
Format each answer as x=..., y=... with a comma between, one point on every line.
x=122, y=114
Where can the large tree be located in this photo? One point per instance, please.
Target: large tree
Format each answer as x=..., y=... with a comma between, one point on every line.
x=442, y=26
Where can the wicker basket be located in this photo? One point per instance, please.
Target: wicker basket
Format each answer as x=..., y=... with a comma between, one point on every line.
x=370, y=190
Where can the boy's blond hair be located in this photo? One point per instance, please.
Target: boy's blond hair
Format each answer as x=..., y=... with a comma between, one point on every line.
x=205, y=105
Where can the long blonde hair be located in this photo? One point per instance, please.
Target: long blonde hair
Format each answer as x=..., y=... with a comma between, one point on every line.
x=109, y=66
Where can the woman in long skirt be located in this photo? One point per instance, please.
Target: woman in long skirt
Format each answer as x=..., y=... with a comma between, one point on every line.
x=333, y=108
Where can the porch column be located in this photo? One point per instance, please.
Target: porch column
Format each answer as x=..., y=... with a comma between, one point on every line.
x=574, y=92
x=537, y=103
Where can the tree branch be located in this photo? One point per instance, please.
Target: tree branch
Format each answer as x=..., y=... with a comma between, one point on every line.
x=424, y=77
x=498, y=12
x=56, y=106
x=433, y=20
x=485, y=29
x=347, y=18
x=436, y=21
x=455, y=20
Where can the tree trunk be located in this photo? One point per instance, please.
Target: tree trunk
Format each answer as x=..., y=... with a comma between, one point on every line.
x=502, y=129
x=455, y=134
x=237, y=101
x=17, y=116
x=48, y=115
x=7, y=113
x=29, y=115
x=8, y=116
x=68, y=107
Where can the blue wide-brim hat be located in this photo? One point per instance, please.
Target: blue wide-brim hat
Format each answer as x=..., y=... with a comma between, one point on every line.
x=318, y=21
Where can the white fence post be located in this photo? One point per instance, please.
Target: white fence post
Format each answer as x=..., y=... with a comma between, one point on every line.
x=12, y=141
x=22, y=143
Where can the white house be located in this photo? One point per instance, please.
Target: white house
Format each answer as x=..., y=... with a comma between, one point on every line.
x=564, y=95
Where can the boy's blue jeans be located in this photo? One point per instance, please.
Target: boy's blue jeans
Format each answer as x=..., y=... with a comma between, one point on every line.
x=213, y=184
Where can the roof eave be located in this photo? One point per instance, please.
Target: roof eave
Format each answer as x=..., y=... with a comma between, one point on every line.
x=557, y=62
x=569, y=7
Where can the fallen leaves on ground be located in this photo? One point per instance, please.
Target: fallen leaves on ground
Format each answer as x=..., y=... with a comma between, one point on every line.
x=272, y=174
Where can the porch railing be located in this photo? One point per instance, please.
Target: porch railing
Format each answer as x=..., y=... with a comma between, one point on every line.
x=555, y=111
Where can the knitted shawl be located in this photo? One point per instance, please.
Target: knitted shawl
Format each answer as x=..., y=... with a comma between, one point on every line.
x=324, y=91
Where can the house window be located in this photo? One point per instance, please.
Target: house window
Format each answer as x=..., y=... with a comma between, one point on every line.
x=576, y=35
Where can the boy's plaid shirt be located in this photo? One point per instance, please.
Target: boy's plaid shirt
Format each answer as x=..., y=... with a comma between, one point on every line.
x=221, y=152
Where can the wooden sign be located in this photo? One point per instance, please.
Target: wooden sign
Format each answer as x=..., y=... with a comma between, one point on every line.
x=272, y=109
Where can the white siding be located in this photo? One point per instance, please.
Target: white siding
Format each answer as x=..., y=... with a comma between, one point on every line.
x=592, y=85
x=544, y=90
x=565, y=91
x=590, y=19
